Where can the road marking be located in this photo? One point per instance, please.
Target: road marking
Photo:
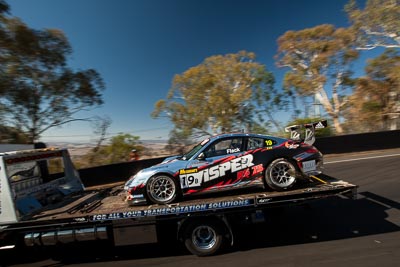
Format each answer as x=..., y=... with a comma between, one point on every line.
x=374, y=157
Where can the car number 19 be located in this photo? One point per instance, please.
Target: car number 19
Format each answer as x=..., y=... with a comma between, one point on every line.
x=189, y=180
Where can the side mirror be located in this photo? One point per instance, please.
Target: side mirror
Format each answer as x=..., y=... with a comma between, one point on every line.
x=201, y=156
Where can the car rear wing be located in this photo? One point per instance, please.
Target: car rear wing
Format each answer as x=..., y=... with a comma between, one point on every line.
x=305, y=132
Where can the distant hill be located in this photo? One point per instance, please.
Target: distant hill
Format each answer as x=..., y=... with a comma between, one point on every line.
x=14, y=147
x=155, y=148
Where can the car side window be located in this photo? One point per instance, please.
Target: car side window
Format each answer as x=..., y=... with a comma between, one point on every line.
x=254, y=143
x=224, y=147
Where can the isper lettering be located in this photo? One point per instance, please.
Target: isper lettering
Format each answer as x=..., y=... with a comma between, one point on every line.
x=234, y=165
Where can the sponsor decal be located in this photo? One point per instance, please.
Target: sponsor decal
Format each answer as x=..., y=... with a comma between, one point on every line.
x=258, y=169
x=187, y=171
x=263, y=200
x=202, y=176
x=204, y=142
x=269, y=142
x=169, y=210
x=82, y=219
x=302, y=156
x=246, y=173
x=319, y=125
x=232, y=150
x=137, y=187
x=291, y=145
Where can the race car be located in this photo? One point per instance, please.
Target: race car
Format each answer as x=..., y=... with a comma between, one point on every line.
x=230, y=161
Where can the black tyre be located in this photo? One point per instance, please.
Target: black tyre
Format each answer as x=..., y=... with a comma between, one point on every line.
x=280, y=174
x=204, y=237
x=162, y=189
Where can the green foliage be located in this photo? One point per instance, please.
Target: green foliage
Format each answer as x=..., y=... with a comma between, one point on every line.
x=260, y=128
x=376, y=99
x=222, y=94
x=377, y=25
x=37, y=89
x=119, y=147
x=9, y=135
x=318, y=57
x=117, y=150
x=179, y=141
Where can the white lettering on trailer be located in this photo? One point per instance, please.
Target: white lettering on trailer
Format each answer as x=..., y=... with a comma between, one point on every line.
x=194, y=179
x=174, y=210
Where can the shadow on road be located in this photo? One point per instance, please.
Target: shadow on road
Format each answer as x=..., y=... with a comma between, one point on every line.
x=323, y=220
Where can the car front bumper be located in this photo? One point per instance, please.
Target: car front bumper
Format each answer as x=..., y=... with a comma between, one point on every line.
x=135, y=200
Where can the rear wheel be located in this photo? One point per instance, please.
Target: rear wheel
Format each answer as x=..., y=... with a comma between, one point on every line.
x=162, y=189
x=280, y=174
x=204, y=237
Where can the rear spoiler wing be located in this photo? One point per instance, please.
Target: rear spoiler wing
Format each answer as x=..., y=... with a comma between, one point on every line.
x=308, y=129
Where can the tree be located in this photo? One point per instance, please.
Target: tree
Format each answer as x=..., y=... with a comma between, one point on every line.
x=217, y=95
x=375, y=104
x=5, y=45
x=377, y=25
x=100, y=125
x=178, y=142
x=115, y=151
x=118, y=148
x=37, y=89
x=9, y=135
x=319, y=60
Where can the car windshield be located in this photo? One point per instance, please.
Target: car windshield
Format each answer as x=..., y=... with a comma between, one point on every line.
x=194, y=150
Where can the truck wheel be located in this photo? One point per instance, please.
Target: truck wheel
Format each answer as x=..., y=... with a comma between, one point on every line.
x=204, y=237
x=162, y=189
x=280, y=174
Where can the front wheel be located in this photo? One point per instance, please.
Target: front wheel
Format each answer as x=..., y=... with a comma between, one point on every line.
x=204, y=237
x=280, y=174
x=162, y=189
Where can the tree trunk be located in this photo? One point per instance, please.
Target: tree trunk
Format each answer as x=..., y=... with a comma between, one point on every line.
x=338, y=126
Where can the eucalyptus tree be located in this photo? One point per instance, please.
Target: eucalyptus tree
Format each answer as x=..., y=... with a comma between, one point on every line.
x=319, y=61
x=375, y=104
x=377, y=24
x=38, y=90
x=224, y=93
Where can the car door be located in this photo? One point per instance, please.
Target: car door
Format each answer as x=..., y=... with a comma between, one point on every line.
x=222, y=162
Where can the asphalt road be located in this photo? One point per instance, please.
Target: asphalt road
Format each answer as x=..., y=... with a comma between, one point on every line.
x=330, y=232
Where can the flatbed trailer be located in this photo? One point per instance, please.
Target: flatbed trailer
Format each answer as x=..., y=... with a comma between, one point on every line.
x=66, y=212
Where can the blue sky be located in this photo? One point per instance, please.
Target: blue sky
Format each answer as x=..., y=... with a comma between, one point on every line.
x=138, y=46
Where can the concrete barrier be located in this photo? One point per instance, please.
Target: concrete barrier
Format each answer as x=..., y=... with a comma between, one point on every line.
x=113, y=173
x=358, y=142
x=327, y=145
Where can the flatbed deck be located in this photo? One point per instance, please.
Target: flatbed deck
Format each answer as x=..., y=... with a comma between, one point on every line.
x=108, y=203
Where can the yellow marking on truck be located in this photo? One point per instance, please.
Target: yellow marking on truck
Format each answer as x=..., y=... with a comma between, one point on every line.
x=318, y=179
